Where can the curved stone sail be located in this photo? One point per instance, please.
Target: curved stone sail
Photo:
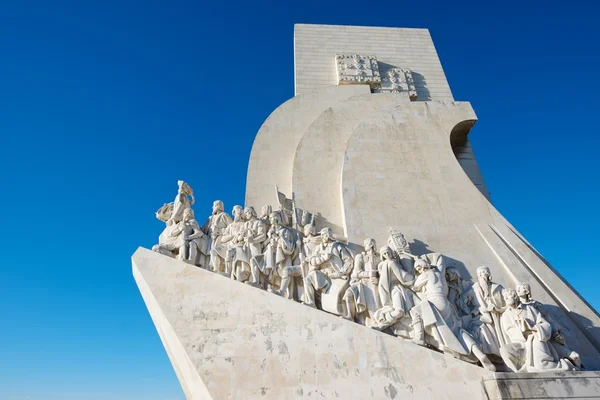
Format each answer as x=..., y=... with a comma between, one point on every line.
x=385, y=270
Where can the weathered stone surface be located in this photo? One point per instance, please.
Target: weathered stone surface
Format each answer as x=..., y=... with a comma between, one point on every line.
x=230, y=340
x=547, y=385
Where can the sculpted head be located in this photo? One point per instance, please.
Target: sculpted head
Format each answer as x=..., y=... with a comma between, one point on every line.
x=369, y=244
x=326, y=235
x=265, y=211
x=484, y=274
x=218, y=206
x=237, y=212
x=249, y=213
x=524, y=291
x=188, y=214
x=422, y=266
x=386, y=252
x=309, y=230
x=275, y=219
x=510, y=297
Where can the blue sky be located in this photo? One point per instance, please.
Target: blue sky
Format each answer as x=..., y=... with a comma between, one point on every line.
x=104, y=106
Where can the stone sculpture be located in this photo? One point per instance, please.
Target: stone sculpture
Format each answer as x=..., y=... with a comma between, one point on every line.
x=362, y=297
x=216, y=223
x=183, y=201
x=330, y=266
x=231, y=250
x=557, y=340
x=488, y=305
x=527, y=334
x=393, y=290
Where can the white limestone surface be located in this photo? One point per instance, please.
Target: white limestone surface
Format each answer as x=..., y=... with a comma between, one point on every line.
x=272, y=155
x=228, y=340
x=315, y=48
x=543, y=385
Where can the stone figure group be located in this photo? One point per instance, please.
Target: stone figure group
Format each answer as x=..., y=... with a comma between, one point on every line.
x=416, y=297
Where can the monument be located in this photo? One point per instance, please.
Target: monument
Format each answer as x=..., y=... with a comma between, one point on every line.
x=377, y=266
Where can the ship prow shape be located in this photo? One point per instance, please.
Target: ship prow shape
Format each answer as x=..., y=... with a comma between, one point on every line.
x=228, y=340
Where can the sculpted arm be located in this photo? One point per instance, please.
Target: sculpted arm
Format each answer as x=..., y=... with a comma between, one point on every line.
x=261, y=233
x=227, y=235
x=197, y=234
x=421, y=281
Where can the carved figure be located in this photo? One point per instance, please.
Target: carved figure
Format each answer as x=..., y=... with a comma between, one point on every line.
x=437, y=317
x=527, y=334
x=330, y=265
x=230, y=251
x=557, y=340
x=394, y=289
x=362, y=297
x=190, y=238
x=488, y=305
x=216, y=223
x=280, y=254
x=457, y=287
x=183, y=200
x=399, y=245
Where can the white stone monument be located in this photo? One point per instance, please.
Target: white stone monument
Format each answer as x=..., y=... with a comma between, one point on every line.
x=377, y=268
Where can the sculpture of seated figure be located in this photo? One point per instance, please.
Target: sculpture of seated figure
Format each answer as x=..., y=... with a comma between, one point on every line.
x=394, y=290
x=527, y=334
x=230, y=251
x=362, y=297
x=557, y=340
x=331, y=261
x=437, y=317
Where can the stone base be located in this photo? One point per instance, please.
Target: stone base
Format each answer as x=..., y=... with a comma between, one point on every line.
x=228, y=340
x=543, y=385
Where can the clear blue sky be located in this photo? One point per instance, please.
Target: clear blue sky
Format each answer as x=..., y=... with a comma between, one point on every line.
x=103, y=107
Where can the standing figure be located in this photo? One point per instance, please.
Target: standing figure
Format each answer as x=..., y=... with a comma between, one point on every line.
x=256, y=233
x=488, y=305
x=401, y=249
x=265, y=215
x=437, y=317
x=280, y=254
x=229, y=249
x=394, y=289
x=456, y=291
x=216, y=223
x=557, y=340
x=183, y=200
x=331, y=261
x=527, y=334
x=277, y=261
x=362, y=297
